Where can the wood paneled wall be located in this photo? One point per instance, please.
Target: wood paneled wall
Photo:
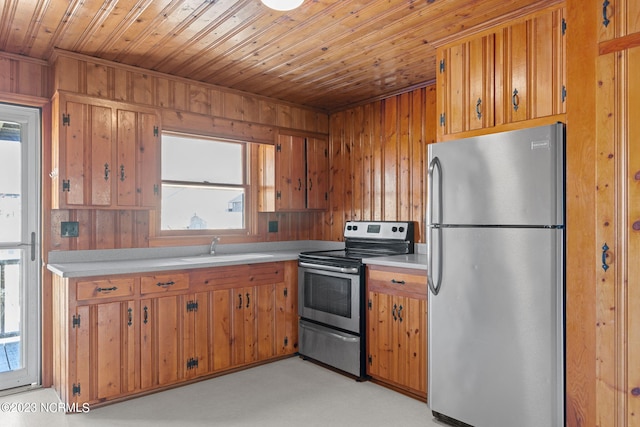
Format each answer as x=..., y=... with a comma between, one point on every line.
x=378, y=161
x=184, y=106
x=21, y=75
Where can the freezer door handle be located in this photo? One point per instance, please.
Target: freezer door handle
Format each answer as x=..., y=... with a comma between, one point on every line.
x=435, y=287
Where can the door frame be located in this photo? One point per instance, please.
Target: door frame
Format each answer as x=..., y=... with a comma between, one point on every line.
x=30, y=374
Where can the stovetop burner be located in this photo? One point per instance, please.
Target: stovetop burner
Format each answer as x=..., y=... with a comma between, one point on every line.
x=364, y=239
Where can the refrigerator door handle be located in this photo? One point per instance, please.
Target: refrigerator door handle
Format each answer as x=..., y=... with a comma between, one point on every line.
x=435, y=288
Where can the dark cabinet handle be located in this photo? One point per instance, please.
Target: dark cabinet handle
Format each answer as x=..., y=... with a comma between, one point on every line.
x=239, y=301
x=310, y=184
x=397, y=282
x=299, y=184
x=122, y=175
x=400, y=313
x=146, y=315
x=515, y=100
x=247, y=299
x=106, y=171
x=113, y=288
x=165, y=284
x=130, y=322
x=605, y=18
x=393, y=312
x=478, y=109
x=605, y=249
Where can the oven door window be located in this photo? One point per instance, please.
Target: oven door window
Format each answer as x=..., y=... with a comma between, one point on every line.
x=328, y=294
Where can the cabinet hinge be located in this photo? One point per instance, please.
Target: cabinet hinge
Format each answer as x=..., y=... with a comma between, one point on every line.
x=564, y=26
x=155, y=131
x=192, y=306
x=278, y=195
x=286, y=292
x=75, y=321
x=66, y=120
x=75, y=389
x=66, y=185
x=564, y=93
x=156, y=189
x=442, y=119
x=326, y=152
x=192, y=363
x=370, y=304
x=326, y=196
x=370, y=360
x=442, y=67
x=278, y=147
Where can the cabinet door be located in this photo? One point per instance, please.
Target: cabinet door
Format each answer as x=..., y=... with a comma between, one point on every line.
x=617, y=18
x=126, y=158
x=265, y=321
x=160, y=341
x=534, y=67
x=618, y=235
x=286, y=317
x=148, y=160
x=244, y=326
x=222, y=329
x=290, y=173
x=317, y=173
x=466, y=98
x=196, y=334
x=114, y=352
x=85, y=163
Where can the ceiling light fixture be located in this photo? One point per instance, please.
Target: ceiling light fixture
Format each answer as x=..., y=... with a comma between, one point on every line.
x=282, y=5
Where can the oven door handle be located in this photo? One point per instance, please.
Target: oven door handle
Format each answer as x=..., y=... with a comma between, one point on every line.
x=332, y=334
x=346, y=270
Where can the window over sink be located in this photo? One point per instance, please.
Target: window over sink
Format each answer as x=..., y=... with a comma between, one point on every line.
x=204, y=184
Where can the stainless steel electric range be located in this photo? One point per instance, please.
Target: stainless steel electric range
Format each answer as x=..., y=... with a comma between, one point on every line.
x=331, y=295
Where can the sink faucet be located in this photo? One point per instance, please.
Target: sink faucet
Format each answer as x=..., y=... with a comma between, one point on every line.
x=214, y=242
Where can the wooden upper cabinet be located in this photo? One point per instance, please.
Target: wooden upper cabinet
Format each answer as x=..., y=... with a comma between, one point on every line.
x=466, y=80
x=618, y=18
x=533, y=75
x=511, y=73
x=105, y=155
x=293, y=174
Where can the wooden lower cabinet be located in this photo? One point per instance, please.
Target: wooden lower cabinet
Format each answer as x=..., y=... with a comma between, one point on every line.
x=160, y=330
x=397, y=328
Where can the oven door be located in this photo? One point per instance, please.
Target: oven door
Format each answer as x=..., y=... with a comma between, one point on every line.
x=329, y=295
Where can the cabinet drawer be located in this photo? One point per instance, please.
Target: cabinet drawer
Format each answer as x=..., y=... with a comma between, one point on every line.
x=107, y=288
x=411, y=283
x=164, y=283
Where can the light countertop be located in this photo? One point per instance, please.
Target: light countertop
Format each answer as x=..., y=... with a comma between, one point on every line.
x=126, y=261
x=415, y=261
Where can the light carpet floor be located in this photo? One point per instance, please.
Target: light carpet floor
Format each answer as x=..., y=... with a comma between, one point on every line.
x=290, y=392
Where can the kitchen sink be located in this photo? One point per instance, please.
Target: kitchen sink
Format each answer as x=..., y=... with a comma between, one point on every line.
x=206, y=259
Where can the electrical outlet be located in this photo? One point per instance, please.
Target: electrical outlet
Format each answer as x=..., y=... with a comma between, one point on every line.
x=69, y=228
x=273, y=226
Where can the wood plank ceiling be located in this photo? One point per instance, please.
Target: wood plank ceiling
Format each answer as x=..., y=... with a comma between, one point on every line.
x=326, y=54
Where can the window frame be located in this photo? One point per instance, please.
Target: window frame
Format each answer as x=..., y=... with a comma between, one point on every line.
x=245, y=186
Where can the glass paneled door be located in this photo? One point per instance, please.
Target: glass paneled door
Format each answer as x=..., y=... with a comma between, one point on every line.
x=19, y=254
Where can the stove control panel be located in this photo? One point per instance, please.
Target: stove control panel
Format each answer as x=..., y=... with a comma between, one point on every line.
x=395, y=230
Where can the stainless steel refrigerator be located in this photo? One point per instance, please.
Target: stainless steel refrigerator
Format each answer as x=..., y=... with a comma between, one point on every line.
x=495, y=234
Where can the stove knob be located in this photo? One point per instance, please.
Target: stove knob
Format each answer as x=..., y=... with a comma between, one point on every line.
x=355, y=227
x=348, y=227
x=394, y=229
x=401, y=229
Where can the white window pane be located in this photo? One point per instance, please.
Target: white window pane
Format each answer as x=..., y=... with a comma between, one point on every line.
x=201, y=160
x=10, y=182
x=189, y=208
